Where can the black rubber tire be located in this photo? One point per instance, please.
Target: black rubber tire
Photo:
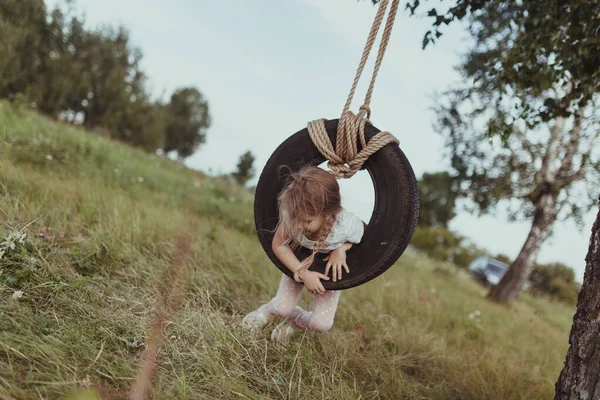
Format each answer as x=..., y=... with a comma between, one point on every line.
x=394, y=215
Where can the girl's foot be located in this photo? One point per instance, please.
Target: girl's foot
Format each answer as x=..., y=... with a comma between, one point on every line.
x=256, y=320
x=286, y=328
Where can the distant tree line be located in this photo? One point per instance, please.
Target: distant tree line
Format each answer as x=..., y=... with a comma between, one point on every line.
x=51, y=61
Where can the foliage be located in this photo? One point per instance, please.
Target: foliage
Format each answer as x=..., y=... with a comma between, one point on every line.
x=245, y=170
x=532, y=79
x=187, y=121
x=553, y=45
x=92, y=78
x=525, y=162
x=544, y=163
x=438, y=193
x=22, y=29
x=445, y=245
x=556, y=280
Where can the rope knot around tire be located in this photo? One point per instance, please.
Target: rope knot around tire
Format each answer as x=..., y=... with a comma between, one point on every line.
x=346, y=159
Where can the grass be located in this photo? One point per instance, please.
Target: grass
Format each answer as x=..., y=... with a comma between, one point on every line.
x=78, y=296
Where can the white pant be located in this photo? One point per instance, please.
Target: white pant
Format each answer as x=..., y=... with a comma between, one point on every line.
x=321, y=317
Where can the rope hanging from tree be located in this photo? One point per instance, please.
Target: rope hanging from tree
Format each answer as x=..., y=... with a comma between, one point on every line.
x=348, y=160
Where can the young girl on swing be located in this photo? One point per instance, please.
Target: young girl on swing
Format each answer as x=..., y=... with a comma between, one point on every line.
x=310, y=215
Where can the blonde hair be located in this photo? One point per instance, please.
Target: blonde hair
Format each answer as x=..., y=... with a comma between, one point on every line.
x=310, y=193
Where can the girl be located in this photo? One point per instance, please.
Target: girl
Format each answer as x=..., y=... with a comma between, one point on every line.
x=310, y=215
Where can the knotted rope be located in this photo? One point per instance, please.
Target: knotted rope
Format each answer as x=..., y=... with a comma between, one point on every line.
x=347, y=160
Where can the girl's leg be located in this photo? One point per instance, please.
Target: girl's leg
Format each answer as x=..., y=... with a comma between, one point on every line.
x=321, y=317
x=284, y=302
x=282, y=305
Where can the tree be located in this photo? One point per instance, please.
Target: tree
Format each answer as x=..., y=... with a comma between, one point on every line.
x=245, y=170
x=568, y=29
x=580, y=376
x=555, y=280
x=54, y=78
x=573, y=40
x=187, y=121
x=89, y=76
x=22, y=28
x=438, y=196
x=546, y=169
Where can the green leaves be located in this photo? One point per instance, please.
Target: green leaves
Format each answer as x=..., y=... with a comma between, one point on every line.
x=245, y=170
x=538, y=46
x=187, y=121
x=511, y=128
x=87, y=77
x=458, y=12
x=438, y=192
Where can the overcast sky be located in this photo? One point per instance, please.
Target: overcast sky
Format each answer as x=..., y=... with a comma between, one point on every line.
x=267, y=67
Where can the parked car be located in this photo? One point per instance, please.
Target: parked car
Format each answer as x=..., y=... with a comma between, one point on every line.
x=490, y=271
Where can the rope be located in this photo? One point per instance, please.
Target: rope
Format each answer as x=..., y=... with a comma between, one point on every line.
x=347, y=160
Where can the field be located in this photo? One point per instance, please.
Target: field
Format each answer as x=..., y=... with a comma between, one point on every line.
x=78, y=294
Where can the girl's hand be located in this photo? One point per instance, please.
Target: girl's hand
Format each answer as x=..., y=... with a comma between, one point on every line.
x=312, y=281
x=336, y=260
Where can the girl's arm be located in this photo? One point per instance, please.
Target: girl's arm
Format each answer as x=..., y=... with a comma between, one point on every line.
x=283, y=252
x=337, y=258
x=311, y=279
x=345, y=247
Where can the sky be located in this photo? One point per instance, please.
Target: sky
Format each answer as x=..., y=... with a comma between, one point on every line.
x=267, y=67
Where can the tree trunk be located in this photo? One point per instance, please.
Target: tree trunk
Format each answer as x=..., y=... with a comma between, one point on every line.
x=508, y=289
x=580, y=377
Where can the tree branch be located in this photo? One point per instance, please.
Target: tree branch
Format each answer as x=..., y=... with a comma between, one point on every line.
x=545, y=174
x=580, y=173
x=526, y=144
x=572, y=149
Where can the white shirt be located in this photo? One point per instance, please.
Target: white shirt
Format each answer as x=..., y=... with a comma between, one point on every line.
x=346, y=228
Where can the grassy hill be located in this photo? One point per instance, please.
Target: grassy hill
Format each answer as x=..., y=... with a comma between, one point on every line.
x=78, y=295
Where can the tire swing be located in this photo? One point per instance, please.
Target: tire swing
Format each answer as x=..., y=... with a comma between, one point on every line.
x=359, y=145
